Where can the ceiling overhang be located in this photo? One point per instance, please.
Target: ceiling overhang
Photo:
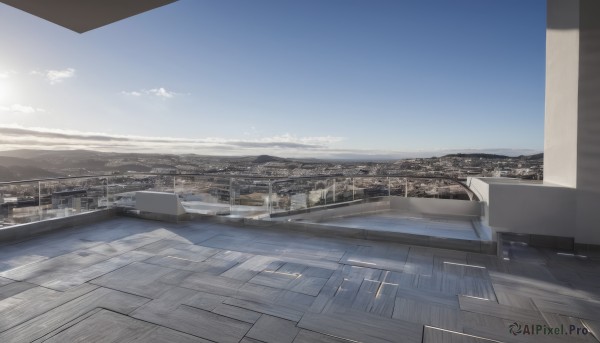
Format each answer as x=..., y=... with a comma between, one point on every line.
x=85, y=15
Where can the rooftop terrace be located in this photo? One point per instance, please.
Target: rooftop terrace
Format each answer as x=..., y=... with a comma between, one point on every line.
x=134, y=280
x=287, y=260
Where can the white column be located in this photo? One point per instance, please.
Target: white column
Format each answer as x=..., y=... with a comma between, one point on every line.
x=572, y=121
x=562, y=78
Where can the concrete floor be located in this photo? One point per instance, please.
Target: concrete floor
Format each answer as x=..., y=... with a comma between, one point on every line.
x=142, y=281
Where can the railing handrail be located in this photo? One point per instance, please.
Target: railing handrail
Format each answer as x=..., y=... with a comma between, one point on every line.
x=56, y=179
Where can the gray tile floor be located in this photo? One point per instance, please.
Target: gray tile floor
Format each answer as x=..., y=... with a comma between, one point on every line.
x=142, y=281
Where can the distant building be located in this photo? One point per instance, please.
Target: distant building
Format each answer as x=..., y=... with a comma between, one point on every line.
x=68, y=199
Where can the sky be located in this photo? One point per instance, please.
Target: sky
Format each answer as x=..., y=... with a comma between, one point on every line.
x=310, y=78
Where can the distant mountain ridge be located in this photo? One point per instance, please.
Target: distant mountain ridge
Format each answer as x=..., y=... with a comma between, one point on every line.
x=269, y=158
x=31, y=164
x=494, y=156
x=478, y=155
x=14, y=173
x=539, y=156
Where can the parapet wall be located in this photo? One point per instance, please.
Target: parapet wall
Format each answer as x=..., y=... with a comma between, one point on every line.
x=159, y=203
x=319, y=214
x=416, y=206
x=28, y=230
x=436, y=207
x=526, y=208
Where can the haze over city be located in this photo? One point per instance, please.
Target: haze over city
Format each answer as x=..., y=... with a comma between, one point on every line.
x=325, y=79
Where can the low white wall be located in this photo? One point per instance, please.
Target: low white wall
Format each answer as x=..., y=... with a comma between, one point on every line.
x=322, y=214
x=588, y=217
x=27, y=230
x=529, y=208
x=441, y=207
x=482, y=190
x=158, y=202
x=540, y=210
x=416, y=206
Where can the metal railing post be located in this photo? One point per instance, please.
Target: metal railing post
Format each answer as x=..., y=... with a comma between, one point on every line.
x=40, y=199
x=406, y=188
x=389, y=187
x=174, y=184
x=231, y=195
x=308, y=198
x=353, y=189
x=270, y=206
x=334, y=191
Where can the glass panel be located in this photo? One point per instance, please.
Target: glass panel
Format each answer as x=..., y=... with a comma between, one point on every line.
x=122, y=188
x=250, y=197
x=343, y=189
x=18, y=204
x=63, y=198
x=397, y=186
x=204, y=194
x=163, y=183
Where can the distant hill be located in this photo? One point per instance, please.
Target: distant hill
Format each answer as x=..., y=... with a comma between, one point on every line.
x=539, y=156
x=132, y=167
x=478, y=155
x=9, y=161
x=51, y=163
x=31, y=164
x=498, y=157
x=268, y=158
x=24, y=173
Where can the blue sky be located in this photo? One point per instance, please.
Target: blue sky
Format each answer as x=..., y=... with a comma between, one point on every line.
x=334, y=78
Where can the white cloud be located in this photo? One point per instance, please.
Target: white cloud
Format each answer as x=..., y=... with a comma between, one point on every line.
x=287, y=145
x=17, y=137
x=6, y=74
x=55, y=76
x=158, y=92
x=161, y=92
x=18, y=108
x=289, y=138
x=133, y=93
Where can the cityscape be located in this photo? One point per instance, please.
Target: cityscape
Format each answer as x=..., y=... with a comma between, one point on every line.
x=208, y=177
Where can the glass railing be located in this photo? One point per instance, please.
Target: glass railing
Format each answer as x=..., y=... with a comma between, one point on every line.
x=231, y=195
x=29, y=201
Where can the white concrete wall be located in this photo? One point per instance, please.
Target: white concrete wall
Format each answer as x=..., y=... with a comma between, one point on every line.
x=441, y=207
x=415, y=206
x=526, y=207
x=158, y=202
x=588, y=145
x=482, y=190
x=317, y=214
x=535, y=209
x=27, y=230
x=572, y=122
